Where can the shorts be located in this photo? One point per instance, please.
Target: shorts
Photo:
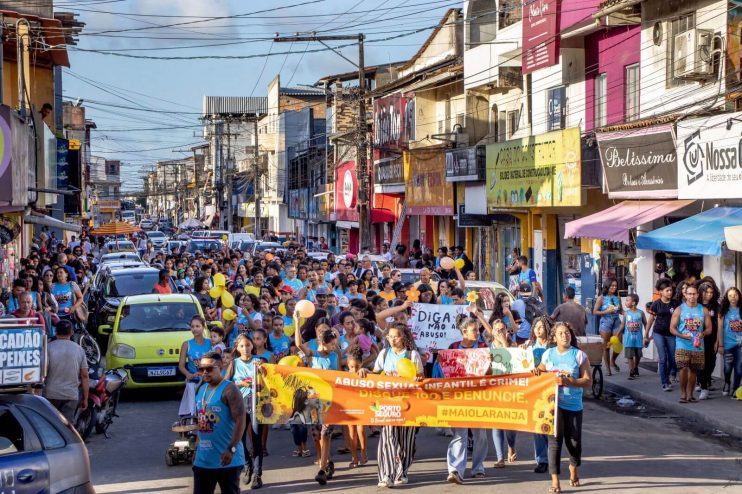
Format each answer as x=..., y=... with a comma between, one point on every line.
x=689, y=359
x=632, y=352
x=320, y=431
x=609, y=324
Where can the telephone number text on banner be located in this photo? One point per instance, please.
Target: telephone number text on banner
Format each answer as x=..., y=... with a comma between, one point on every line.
x=299, y=395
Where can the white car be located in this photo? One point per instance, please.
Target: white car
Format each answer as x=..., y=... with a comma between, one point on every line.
x=125, y=257
x=159, y=239
x=119, y=246
x=146, y=224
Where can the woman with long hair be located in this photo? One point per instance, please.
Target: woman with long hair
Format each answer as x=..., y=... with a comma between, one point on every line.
x=66, y=293
x=540, y=341
x=708, y=294
x=573, y=367
x=730, y=340
x=609, y=307
x=502, y=312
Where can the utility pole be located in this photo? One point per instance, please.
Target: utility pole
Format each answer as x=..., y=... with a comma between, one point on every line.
x=229, y=175
x=256, y=182
x=364, y=220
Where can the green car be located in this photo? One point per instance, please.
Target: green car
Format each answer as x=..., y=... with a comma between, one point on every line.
x=147, y=335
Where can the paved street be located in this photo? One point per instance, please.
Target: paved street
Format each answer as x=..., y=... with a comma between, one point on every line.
x=624, y=453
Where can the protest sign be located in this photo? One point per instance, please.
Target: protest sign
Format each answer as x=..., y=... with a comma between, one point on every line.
x=22, y=352
x=299, y=395
x=465, y=363
x=512, y=360
x=434, y=326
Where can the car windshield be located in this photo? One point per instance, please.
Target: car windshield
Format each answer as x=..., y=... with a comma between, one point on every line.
x=155, y=234
x=127, y=284
x=263, y=247
x=145, y=318
x=119, y=246
x=203, y=245
x=244, y=246
x=126, y=256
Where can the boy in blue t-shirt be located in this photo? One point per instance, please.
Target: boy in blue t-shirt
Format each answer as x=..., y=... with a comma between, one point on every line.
x=631, y=333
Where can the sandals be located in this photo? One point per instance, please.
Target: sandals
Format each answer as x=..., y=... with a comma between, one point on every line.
x=555, y=490
x=306, y=454
x=499, y=464
x=353, y=464
x=575, y=482
x=364, y=459
x=682, y=400
x=512, y=457
x=296, y=452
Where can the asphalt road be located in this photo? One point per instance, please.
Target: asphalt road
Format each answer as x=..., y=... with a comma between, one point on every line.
x=622, y=453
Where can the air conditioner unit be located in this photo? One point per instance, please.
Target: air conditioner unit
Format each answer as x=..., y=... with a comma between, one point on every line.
x=692, y=58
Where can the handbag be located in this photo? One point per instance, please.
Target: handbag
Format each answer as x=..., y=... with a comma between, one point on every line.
x=82, y=313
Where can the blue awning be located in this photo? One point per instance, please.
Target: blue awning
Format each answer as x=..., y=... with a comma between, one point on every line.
x=700, y=234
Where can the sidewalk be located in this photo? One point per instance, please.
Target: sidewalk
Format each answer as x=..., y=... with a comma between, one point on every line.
x=718, y=412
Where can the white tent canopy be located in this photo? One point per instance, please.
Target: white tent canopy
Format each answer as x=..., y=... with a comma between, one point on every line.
x=733, y=237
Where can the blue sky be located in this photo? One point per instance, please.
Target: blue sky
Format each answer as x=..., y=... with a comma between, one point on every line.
x=123, y=93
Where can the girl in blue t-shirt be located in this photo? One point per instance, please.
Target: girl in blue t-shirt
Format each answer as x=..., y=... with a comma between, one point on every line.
x=730, y=340
x=608, y=307
x=573, y=367
x=631, y=333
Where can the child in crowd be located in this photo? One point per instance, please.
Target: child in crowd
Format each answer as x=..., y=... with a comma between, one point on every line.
x=632, y=331
x=216, y=335
x=356, y=433
x=279, y=342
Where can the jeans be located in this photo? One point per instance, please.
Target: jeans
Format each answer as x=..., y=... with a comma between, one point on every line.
x=704, y=377
x=665, y=346
x=503, y=439
x=733, y=362
x=568, y=430
x=300, y=433
x=255, y=460
x=541, y=448
x=206, y=479
x=68, y=408
x=456, y=456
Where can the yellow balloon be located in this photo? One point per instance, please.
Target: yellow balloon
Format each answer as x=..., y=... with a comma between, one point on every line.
x=614, y=340
x=406, y=368
x=282, y=309
x=216, y=291
x=220, y=280
x=617, y=348
x=738, y=393
x=458, y=264
x=290, y=360
x=304, y=308
x=447, y=263
x=227, y=299
x=229, y=315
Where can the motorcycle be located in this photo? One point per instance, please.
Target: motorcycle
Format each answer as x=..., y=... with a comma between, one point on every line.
x=103, y=399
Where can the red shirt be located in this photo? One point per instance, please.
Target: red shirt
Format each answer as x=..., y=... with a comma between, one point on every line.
x=31, y=314
x=162, y=290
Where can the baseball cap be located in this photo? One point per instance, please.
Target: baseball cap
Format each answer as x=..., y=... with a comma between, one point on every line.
x=524, y=287
x=323, y=291
x=287, y=289
x=343, y=301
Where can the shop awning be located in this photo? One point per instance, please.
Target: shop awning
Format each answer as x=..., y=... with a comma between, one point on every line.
x=615, y=222
x=43, y=220
x=700, y=234
x=733, y=237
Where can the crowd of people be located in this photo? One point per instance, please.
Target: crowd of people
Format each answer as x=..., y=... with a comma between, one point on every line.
x=360, y=326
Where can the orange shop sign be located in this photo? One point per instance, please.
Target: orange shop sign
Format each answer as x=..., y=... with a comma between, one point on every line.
x=426, y=189
x=521, y=402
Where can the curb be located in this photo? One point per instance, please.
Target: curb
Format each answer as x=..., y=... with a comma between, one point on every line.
x=685, y=411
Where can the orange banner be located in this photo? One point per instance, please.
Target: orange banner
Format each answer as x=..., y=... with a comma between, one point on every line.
x=298, y=395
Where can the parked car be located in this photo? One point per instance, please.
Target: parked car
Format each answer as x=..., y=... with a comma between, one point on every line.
x=203, y=245
x=264, y=246
x=146, y=336
x=158, y=239
x=129, y=216
x=410, y=275
x=174, y=246
x=218, y=234
x=487, y=291
x=111, y=285
x=118, y=246
x=40, y=451
x=146, y=224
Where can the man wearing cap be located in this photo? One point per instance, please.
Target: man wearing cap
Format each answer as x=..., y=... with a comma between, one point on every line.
x=519, y=306
x=321, y=296
x=291, y=280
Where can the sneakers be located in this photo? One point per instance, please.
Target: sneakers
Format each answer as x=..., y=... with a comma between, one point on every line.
x=257, y=482
x=248, y=476
x=330, y=470
x=401, y=481
x=541, y=468
x=321, y=477
x=667, y=387
x=384, y=483
x=725, y=389
x=704, y=394
x=455, y=478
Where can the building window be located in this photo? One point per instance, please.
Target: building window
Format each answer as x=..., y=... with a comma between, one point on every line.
x=502, y=126
x=679, y=25
x=493, y=121
x=601, y=90
x=556, y=107
x=482, y=22
x=511, y=12
x=632, y=92
x=513, y=122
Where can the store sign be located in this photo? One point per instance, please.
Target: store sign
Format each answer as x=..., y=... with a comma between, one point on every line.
x=63, y=179
x=466, y=164
x=709, y=150
x=640, y=163
x=389, y=171
x=346, y=192
x=108, y=204
x=394, y=121
x=426, y=189
x=540, y=40
x=22, y=355
x=9, y=230
x=556, y=108
x=6, y=170
x=298, y=199
x=542, y=170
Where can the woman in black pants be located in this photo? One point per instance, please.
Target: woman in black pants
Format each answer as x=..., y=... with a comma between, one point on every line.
x=709, y=296
x=574, y=375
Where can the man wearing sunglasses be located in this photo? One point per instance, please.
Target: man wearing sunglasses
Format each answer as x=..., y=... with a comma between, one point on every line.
x=220, y=455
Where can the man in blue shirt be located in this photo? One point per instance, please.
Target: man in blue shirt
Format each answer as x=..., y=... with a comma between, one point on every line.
x=291, y=280
x=528, y=275
x=519, y=305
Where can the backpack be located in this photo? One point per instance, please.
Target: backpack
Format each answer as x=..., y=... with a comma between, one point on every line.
x=534, y=308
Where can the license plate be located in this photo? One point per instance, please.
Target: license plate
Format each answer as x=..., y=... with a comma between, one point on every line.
x=166, y=371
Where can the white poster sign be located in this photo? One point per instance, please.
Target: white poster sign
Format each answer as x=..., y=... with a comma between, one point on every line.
x=434, y=326
x=709, y=161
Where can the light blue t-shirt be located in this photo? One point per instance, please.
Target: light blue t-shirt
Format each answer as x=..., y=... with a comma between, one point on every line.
x=691, y=322
x=280, y=345
x=524, y=331
x=295, y=284
x=215, y=426
x=732, y=328
x=633, y=329
x=570, y=398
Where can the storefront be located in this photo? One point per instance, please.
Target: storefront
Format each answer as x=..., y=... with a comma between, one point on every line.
x=388, y=197
x=533, y=179
x=320, y=210
x=429, y=198
x=346, y=212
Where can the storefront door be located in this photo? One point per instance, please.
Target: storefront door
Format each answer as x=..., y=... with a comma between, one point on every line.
x=509, y=236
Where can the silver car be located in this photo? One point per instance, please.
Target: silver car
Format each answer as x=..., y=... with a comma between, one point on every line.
x=159, y=239
x=39, y=450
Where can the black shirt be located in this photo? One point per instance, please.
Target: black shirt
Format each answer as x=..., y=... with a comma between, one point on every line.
x=662, y=313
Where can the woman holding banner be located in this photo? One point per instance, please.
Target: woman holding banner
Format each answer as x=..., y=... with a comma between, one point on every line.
x=500, y=338
x=396, y=443
x=573, y=367
x=456, y=456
